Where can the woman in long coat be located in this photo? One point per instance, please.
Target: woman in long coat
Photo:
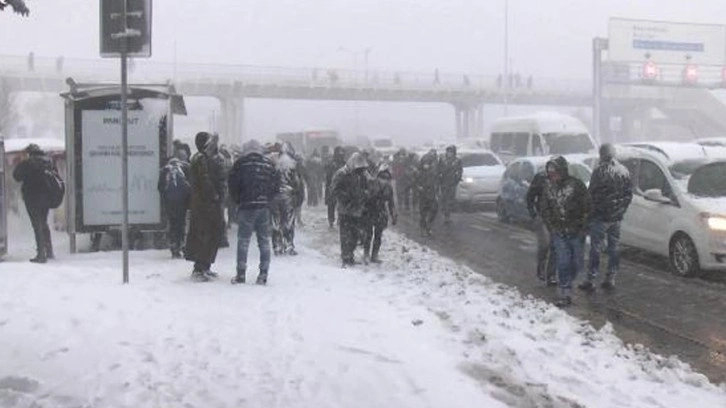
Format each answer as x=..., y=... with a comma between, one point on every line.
x=206, y=222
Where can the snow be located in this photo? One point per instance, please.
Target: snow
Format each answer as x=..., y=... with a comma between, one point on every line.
x=418, y=331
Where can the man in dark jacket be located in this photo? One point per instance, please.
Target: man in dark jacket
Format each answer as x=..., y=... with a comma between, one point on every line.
x=427, y=184
x=349, y=187
x=451, y=171
x=253, y=183
x=205, y=209
x=611, y=192
x=565, y=207
x=175, y=191
x=545, y=251
x=314, y=181
x=337, y=162
x=31, y=173
x=379, y=206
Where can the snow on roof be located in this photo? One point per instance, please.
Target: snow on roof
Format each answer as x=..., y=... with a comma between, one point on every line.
x=542, y=122
x=672, y=151
x=47, y=144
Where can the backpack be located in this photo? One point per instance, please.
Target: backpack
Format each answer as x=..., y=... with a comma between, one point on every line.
x=177, y=187
x=56, y=187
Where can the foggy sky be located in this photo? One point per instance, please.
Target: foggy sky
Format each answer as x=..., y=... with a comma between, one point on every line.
x=548, y=38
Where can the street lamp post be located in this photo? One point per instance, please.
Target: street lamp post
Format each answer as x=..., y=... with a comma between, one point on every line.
x=506, y=58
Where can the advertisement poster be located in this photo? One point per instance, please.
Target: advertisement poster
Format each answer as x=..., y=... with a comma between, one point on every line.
x=101, y=171
x=3, y=204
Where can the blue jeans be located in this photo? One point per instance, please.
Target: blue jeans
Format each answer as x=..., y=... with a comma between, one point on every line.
x=257, y=221
x=569, y=254
x=598, y=231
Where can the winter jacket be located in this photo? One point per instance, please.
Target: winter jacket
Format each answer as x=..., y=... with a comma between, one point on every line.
x=565, y=204
x=331, y=168
x=292, y=186
x=31, y=172
x=253, y=181
x=379, y=204
x=611, y=191
x=450, y=170
x=427, y=177
x=349, y=186
x=205, y=212
x=535, y=192
x=175, y=168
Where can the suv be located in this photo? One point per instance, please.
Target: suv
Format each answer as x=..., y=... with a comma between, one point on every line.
x=678, y=209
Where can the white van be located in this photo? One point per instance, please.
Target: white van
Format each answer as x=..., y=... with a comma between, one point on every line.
x=541, y=134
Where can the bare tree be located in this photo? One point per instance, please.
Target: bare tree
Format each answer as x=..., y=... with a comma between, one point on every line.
x=18, y=6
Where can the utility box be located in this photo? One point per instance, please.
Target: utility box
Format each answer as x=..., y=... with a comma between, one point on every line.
x=93, y=143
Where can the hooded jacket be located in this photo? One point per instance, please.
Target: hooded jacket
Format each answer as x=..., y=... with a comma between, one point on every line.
x=331, y=167
x=349, y=186
x=451, y=169
x=565, y=203
x=427, y=179
x=611, y=191
x=31, y=172
x=253, y=181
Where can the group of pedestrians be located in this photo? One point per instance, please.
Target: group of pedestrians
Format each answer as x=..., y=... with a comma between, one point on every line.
x=427, y=184
x=567, y=212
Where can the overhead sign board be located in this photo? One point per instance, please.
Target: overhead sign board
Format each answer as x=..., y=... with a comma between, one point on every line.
x=135, y=28
x=666, y=42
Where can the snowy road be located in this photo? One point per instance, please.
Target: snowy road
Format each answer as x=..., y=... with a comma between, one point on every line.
x=669, y=314
x=419, y=331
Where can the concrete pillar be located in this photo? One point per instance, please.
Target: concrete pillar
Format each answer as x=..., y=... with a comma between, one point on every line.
x=467, y=123
x=480, y=121
x=457, y=119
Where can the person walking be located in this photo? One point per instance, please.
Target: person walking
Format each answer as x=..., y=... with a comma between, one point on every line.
x=565, y=209
x=450, y=173
x=335, y=164
x=315, y=174
x=284, y=206
x=175, y=192
x=611, y=191
x=545, y=251
x=253, y=183
x=205, y=210
x=427, y=184
x=36, y=194
x=379, y=206
x=349, y=189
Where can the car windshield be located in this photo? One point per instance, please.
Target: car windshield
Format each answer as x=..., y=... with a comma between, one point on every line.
x=478, y=159
x=708, y=180
x=683, y=169
x=568, y=143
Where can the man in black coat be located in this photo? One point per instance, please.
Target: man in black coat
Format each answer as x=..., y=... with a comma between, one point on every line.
x=349, y=187
x=545, y=251
x=565, y=208
x=31, y=173
x=451, y=171
x=337, y=162
x=379, y=206
x=253, y=183
x=611, y=192
x=175, y=192
x=427, y=185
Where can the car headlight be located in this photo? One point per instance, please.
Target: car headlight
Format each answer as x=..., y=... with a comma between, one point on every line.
x=468, y=180
x=716, y=223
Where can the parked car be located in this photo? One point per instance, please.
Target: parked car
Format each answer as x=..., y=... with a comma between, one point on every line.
x=714, y=146
x=481, y=177
x=678, y=209
x=671, y=151
x=511, y=204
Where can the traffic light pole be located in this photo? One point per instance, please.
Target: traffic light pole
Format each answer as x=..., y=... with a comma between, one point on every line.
x=598, y=45
x=124, y=154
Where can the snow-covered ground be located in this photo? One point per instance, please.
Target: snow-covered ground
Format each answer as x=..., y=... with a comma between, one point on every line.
x=417, y=331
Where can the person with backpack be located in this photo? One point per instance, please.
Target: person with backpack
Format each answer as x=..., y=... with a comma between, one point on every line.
x=42, y=190
x=175, y=192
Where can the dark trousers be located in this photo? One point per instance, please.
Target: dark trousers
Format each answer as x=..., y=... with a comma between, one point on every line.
x=177, y=227
x=39, y=220
x=428, y=209
x=403, y=195
x=448, y=196
x=350, y=235
x=253, y=221
x=331, y=212
x=546, y=260
x=373, y=232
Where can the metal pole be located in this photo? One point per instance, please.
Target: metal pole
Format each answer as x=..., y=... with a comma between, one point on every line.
x=506, y=58
x=124, y=156
x=598, y=44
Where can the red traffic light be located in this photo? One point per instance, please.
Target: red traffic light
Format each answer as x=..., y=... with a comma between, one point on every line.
x=650, y=71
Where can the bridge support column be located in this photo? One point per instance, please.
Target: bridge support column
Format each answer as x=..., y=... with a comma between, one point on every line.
x=458, y=118
x=467, y=124
x=232, y=128
x=479, y=121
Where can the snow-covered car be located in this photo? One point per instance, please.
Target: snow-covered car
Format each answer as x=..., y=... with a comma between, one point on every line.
x=512, y=198
x=671, y=151
x=678, y=209
x=481, y=177
x=714, y=146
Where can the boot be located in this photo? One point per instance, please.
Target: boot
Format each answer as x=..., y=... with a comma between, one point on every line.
x=240, y=278
x=262, y=278
x=199, y=276
x=586, y=286
x=39, y=259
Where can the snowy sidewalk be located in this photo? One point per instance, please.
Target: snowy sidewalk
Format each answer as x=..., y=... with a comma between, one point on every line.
x=418, y=331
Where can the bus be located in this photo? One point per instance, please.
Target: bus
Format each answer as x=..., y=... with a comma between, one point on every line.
x=309, y=140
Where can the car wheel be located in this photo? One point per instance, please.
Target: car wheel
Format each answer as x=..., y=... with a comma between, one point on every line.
x=683, y=256
x=502, y=212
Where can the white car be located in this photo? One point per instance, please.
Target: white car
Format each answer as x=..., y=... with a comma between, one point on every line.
x=480, y=181
x=678, y=209
x=714, y=146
